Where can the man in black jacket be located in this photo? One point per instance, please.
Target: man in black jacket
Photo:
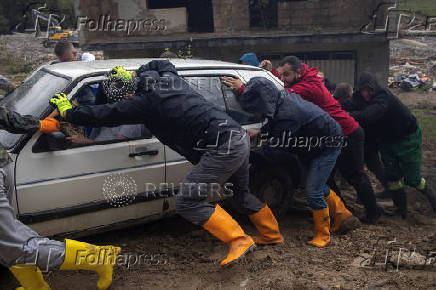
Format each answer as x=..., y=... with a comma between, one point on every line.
x=297, y=126
x=399, y=134
x=200, y=131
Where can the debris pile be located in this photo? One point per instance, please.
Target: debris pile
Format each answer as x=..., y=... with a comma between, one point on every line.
x=413, y=63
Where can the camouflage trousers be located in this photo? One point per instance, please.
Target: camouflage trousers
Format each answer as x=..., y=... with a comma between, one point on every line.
x=19, y=244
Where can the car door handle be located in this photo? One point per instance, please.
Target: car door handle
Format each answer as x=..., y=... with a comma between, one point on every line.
x=149, y=153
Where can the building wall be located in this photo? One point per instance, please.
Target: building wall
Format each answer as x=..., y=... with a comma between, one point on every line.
x=371, y=56
x=231, y=17
x=318, y=25
x=325, y=14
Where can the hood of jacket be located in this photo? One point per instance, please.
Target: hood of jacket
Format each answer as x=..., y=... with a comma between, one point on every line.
x=366, y=79
x=250, y=59
x=310, y=74
x=260, y=96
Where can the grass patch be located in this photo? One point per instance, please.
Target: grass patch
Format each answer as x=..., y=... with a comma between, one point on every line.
x=427, y=120
x=427, y=7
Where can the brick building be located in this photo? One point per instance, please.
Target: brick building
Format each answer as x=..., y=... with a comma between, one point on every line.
x=341, y=37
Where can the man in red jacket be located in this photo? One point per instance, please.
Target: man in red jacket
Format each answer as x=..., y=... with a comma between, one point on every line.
x=298, y=78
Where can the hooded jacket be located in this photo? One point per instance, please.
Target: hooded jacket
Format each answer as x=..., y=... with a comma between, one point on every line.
x=177, y=115
x=384, y=116
x=311, y=88
x=288, y=115
x=250, y=59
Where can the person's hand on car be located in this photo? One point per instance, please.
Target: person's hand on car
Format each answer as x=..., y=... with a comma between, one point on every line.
x=266, y=64
x=49, y=125
x=232, y=83
x=62, y=103
x=77, y=140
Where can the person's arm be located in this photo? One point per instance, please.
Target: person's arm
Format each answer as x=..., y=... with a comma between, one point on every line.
x=129, y=111
x=373, y=112
x=267, y=147
x=276, y=73
x=266, y=64
x=21, y=124
x=234, y=83
x=79, y=140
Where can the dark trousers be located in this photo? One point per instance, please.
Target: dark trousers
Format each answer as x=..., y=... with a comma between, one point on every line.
x=374, y=163
x=227, y=167
x=351, y=166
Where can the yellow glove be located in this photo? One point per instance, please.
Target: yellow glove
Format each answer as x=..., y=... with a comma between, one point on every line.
x=62, y=103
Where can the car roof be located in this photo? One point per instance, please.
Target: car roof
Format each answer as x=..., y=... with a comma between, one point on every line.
x=76, y=69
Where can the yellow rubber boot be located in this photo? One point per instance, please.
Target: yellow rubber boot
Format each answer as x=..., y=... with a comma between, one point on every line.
x=84, y=256
x=322, y=228
x=30, y=277
x=343, y=219
x=267, y=226
x=225, y=228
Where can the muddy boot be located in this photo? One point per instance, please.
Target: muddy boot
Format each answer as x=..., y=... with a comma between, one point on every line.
x=428, y=192
x=225, y=228
x=400, y=201
x=373, y=218
x=84, y=256
x=30, y=277
x=321, y=219
x=267, y=226
x=343, y=219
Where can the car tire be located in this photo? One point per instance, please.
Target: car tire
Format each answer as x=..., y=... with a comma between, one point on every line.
x=275, y=187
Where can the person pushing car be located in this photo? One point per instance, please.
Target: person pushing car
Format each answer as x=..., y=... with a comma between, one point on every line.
x=25, y=252
x=205, y=135
x=298, y=126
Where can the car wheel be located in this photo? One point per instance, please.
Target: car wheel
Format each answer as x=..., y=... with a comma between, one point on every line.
x=274, y=187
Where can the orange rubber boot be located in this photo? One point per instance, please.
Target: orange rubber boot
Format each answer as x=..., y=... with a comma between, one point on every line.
x=225, y=228
x=267, y=226
x=322, y=228
x=343, y=219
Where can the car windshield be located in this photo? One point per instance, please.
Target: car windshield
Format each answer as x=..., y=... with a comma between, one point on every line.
x=31, y=98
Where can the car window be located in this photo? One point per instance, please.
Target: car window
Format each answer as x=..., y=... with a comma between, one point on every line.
x=213, y=90
x=235, y=111
x=247, y=75
x=31, y=98
x=209, y=87
x=78, y=136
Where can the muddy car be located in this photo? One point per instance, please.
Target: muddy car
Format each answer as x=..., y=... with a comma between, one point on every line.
x=59, y=188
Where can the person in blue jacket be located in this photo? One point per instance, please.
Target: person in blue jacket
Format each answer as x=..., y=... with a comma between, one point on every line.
x=298, y=126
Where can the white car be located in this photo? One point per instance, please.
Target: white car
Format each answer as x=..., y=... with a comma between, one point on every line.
x=60, y=189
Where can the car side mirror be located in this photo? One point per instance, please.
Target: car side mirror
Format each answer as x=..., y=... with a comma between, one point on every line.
x=56, y=141
x=50, y=142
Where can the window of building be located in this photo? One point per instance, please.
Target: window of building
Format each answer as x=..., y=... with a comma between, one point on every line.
x=200, y=12
x=263, y=13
